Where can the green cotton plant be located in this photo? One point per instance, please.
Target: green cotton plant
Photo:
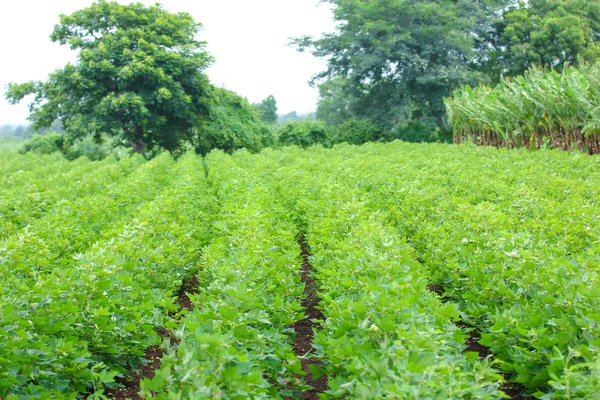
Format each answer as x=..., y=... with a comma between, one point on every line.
x=512, y=237
x=236, y=342
x=92, y=319
x=384, y=333
x=495, y=239
x=48, y=246
x=560, y=108
x=93, y=255
x=35, y=192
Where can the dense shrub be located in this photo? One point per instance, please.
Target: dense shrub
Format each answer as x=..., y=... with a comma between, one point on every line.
x=303, y=134
x=355, y=131
x=88, y=148
x=57, y=143
x=424, y=130
x=47, y=144
x=232, y=124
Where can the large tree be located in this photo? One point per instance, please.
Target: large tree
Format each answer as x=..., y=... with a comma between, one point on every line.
x=548, y=33
x=397, y=59
x=138, y=77
x=232, y=123
x=268, y=109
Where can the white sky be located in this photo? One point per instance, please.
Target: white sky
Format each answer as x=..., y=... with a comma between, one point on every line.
x=247, y=38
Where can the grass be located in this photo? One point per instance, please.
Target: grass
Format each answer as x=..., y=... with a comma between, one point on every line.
x=10, y=144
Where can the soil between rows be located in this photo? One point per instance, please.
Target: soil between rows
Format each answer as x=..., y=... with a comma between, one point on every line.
x=304, y=329
x=516, y=391
x=132, y=383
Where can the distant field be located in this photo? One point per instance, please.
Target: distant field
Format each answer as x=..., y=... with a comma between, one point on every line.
x=411, y=263
x=10, y=144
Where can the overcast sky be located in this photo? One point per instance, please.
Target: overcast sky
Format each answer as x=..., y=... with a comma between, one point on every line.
x=247, y=38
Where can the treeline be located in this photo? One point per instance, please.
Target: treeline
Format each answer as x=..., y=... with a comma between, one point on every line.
x=542, y=108
x=392, y=62
x=28, y=131
x=234, y=124
x=139, y=79
x=139, y=83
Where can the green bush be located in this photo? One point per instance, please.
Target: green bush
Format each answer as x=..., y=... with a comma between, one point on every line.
x=88, y=148
x=303, y=134
x=47, y=144
x=357, y=132
x=56, y=143
x=424, y=130
x=232, y=124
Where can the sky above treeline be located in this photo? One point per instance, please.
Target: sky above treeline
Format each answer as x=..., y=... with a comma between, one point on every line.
x=248, y=39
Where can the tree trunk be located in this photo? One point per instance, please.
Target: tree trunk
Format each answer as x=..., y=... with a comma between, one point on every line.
x=137, y=143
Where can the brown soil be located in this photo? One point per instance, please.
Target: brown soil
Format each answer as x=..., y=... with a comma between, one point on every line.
x=436, y=289
x=305, y=328
x=473, y=341
x=515, y=391
x=131, y=383
x=190, y=285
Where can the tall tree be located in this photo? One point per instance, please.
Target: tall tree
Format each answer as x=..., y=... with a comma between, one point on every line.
x=399, y=58
x=268, y=109
x=232, y=124
x=138, y=77
x=548, y=33
x=336, y=103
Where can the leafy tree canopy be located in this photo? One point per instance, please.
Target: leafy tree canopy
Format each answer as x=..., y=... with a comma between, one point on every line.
x=397, y=59
x=303, y=134
x=393, y=61
x=138, y=77
x=232, y=123
x=548, y=33
x=268, y=110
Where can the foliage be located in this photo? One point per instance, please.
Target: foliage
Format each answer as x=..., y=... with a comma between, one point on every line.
x=560, y=109
x=394, y=60
x=55, y=143
x=234, y=344
x=138, y=77
x=87, y=147
x=88, y=301
x=48, y=144
x=12, y=144
x=303, y=134
x=92, y=255
x=424, y=130
x=508, y=240
x=359, y=132
x=373, y=291
x=232, y=123
x=295, y=116
x=268, y=110
x=547, y=33
x=515, y=251
x=336, y=103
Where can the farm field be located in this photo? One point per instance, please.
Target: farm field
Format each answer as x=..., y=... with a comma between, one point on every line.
x=405, y=271
x=10, y=144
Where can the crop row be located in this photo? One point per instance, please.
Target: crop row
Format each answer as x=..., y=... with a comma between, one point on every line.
x=71, y=324
x=41, y=190
x=516, y=247
x=384, y=333
x=512, y=237
x=236, y=343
